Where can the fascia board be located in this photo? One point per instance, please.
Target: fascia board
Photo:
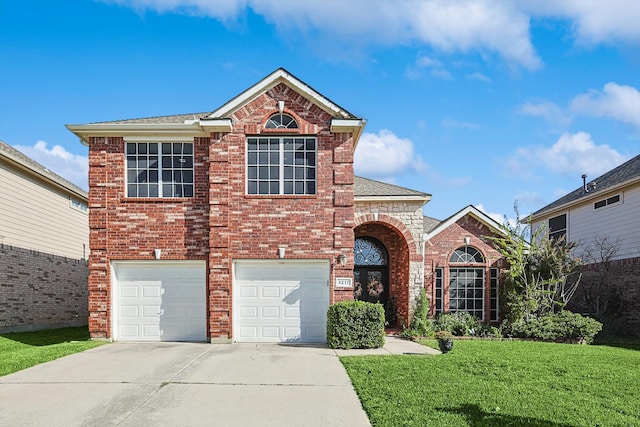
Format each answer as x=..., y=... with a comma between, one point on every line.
x=366, y=199
x=471, y=210
x=594, y=196
x=355, y=126
x=277, y=77
x=186, y=130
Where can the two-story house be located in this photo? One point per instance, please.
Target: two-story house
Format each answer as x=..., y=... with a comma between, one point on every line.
x=602, y=217
x=44, y=245
x=246, y=223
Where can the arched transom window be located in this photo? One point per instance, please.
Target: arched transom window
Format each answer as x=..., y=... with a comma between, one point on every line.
x=466, y=255
x=369, y=252
x=281, y=121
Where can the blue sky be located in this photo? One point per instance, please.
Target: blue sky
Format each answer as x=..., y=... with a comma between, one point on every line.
x=482, y=102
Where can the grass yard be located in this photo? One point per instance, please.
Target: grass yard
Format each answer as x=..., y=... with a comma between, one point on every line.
x=502, y=383
x=25, y=349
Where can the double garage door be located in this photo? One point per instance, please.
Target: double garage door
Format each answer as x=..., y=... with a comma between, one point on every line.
x=273, y=301
x=160, y=301
x=280, y=301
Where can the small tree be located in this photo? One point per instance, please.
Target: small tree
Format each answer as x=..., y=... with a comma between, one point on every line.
x=543, y=274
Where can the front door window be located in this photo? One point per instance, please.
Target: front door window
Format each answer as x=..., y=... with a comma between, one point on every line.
x=371, y=272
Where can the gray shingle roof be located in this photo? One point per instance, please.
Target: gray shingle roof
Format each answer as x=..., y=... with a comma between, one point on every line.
x=177, y=119
x=365, y=187
x=618, y=175
x=430, y=224
x=11, y=153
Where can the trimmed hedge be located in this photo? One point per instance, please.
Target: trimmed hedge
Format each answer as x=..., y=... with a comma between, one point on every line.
x=355, y=324
x=561, y=327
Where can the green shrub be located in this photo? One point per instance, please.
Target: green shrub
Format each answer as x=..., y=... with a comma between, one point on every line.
x=355, y=324
x=459, y=323
x=563, y=327
x=421, y=325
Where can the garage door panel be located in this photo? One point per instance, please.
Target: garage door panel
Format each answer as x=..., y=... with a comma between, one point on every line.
x=160, y=301
x=280, y=301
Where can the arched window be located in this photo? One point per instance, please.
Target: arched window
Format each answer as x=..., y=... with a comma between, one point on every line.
x=281, y=121
x=369, y=252
x=466, y=282
x=466, y=255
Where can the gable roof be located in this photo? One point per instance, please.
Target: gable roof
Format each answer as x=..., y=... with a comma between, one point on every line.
x=468, y=210
x=366, y=189
x=626, y=173
x=201, y=124
x=429, y=224
x=27, y=163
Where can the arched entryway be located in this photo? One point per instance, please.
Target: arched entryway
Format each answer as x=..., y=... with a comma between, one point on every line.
x=371, y=271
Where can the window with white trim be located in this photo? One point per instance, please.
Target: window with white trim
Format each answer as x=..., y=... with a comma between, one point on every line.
x=607, y=202
x=558, y=227
x=159, y=169
x=281, y=165
x=439, y=277
x=281, y=121
x=466, y=283
x=494, y=282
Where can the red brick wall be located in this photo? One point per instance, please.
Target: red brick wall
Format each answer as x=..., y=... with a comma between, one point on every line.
x=438, y=250
x=220, y=223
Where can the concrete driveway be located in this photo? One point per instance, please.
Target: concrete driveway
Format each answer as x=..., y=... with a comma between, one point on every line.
x=184, y=384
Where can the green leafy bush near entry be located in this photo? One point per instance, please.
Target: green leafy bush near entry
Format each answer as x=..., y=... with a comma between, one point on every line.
x=355, y=324
x=564, y=326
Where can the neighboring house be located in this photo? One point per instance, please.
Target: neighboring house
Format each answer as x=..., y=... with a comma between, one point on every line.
x=241, y=224
x=608, y=208
x=44, y=244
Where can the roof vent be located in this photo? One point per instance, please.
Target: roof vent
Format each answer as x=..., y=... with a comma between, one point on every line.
x=584, y=183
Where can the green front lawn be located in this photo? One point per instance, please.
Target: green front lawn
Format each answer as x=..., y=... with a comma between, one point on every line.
x=25, y=349
x=501, y=383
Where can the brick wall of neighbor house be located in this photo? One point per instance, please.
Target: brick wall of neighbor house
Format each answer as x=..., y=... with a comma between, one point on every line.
x=41, y=291
x=623, y=277
x=254, y=227
x=439, y=249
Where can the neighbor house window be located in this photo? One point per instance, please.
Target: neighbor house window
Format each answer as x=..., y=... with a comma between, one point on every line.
x=493, y=289
x=558, y=227
x=607, y=202
x=466, y=282
x=439, y=273
x=281, y=165
x=159, y=169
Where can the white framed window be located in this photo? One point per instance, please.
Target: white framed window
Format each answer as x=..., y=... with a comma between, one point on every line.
x=607, y=202
x=80, y=206
x=494, y=282
x=558, y=227
x=159, y=169
x=281, y=121
x=466, y=291
x=282, y=165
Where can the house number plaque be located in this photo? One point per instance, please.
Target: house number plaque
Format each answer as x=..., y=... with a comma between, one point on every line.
x=344, y=282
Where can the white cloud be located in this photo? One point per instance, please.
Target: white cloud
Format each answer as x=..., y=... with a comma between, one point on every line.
x=593, y=21
x=435, y=67
x=451, y=27
x=479, y=77
x=384, y=154
x=72, y=167
x=499, y=218
x=571, y=154
x=615, y=101
x=546, y=110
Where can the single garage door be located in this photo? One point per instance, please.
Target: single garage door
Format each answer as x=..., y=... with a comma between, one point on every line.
x=160, y=301
x=280, y=301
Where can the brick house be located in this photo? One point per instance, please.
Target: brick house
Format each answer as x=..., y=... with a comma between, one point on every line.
x=245, y=223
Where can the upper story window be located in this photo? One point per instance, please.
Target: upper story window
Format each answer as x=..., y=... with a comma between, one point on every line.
x=281, y=121
x=159, y=169
x=558, y=227
x=607, y=202
x=281, y=165
x=466, y=255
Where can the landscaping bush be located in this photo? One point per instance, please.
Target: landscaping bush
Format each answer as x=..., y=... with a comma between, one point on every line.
x=562, y=327
x=459, y=323
x=421, y=325
x=355, y=324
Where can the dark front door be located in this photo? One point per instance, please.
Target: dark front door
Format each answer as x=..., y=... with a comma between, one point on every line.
x=371, y=284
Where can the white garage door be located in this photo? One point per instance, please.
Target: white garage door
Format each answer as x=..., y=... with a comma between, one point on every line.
x=280, y=301
x=160, y=301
